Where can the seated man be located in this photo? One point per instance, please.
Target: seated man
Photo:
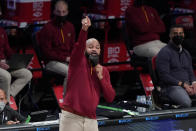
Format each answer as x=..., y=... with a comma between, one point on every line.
x=8, y=115
x=22, y=76
x=144, y=27
x=57, y=39
x=174, y=67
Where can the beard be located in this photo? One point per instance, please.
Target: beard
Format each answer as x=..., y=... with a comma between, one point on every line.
x=93, y=58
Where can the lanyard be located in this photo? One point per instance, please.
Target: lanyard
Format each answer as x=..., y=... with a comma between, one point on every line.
x=63, y=38
x=145, y=13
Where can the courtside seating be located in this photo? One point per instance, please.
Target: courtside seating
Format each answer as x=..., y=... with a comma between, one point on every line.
x=50, y=79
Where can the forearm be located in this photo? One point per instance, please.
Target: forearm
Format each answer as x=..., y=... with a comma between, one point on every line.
x=79, y=47
x=82, y=41
x=165, y=76
x=108, y=91
x=169, y=80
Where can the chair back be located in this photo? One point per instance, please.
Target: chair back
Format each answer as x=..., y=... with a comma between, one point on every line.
x=36, y=46
x=153, y=72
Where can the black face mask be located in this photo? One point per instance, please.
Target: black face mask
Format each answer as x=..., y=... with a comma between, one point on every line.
x=60, y=19
x=94, y=59
x=178, y=40
x=139, y=3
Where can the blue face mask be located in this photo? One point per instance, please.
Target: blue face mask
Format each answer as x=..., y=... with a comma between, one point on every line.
x=2, y=106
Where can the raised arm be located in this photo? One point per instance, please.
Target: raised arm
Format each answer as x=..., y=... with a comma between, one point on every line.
x=79, y=47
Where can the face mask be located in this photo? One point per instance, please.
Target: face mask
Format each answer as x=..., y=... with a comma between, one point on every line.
x=138, y=2
x=61, y=19
x=2, y=106
x=94, y=59
x=178, y=40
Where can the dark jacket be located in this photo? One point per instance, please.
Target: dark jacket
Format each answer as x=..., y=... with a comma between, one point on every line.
x=174, y=66
x=8, y=114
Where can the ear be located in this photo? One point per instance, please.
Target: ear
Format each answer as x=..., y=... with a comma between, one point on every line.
x=170, y=35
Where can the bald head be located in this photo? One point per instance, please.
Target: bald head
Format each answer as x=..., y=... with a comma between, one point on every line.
x=91, y=40
x=61, y=8
x=93, y=46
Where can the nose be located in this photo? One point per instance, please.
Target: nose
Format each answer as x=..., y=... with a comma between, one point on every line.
x=93, y=50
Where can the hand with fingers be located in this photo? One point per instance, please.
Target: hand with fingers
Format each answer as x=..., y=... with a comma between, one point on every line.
x=12, y=122
x=3, y=65
x=86, y=23
x=194, y=87
x=99, y=71
x=189, y=89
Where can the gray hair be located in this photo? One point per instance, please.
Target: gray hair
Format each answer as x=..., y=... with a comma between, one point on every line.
x=91, y=40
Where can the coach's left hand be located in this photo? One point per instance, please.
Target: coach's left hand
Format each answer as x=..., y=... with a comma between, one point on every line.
x=99, y=71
